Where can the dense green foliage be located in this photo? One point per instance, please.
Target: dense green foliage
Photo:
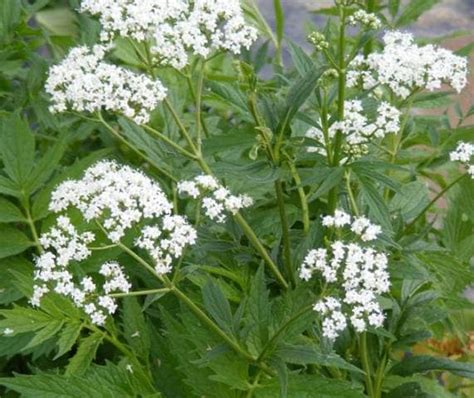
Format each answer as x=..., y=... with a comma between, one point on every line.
x=235, y=320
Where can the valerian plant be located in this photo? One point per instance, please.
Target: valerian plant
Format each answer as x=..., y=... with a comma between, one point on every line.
x=186, y=213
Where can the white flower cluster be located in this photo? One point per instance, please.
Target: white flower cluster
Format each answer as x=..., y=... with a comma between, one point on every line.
x=216, y=199
x=65, y=245
x=113, y=198
x=356, y=127
x=463, y=153
x=176, y=27
x=84, y=82
x=404, y=67
x=369, y=20
x=359, y=275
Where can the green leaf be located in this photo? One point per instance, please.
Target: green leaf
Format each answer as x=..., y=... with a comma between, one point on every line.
x=9, y=212
x=408, y=390
x=110, y=381
x=135, y=327
x=393, y=7
x=217, y=305
x=68, y=337
x=299, y=92
x=410, y=200
x=259, y=311
x=48, y=332
x=302, y=61
x=377, y=209
x=23, y=320
x=85, y=354
x=17, y=148
x=312, y=386
x=9, y=16
x=46, y=166
x=333, y=179
x=306, y=355
x=13, y=241
x=413, y=11
x=424, y=363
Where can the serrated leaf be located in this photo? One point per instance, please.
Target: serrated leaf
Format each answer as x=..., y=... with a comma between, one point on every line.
x=333, y=179
x=424, y=363
x=68, y=337
x=85, y=354
x=46, y=166
x=311, y=386
x=302, y=61
x=13, y=241
x=410, y=200
x=258, y=311
x=306, y=355
x=23, y=319
x=48, y=332
x=413, y=11
x=217, y=305
x=9, y=212
x=135, y=327
x=17, y=148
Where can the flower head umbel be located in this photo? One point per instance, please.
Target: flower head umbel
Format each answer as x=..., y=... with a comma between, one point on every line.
x=356, y=274
x=405, y=67
x=216, y=199
x=176, y=28
x=463, y=154
x=111, y=199
x=84, y=82
x=357, y=129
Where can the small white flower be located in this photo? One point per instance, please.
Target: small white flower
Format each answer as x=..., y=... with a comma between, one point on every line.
x=216, y=199
x=405, y=67
x=463, y=154
x=84, y=82
x=358, y=273
x=8, y=332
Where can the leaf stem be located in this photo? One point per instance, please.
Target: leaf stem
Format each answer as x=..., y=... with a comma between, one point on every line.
x=133, y=147
x=31, y=224
x=285, y=231
x=333, y=193
x=434, y=200
x=364, y=355
x=302, y=195
x=141, y=292
x=170, y=142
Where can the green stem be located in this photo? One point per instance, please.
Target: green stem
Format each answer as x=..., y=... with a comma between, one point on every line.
x=379, y=376
x=280, y=26
x=351, y=194
x=133, y=148
x=302, y=195
x=285, y=231
x=371, y=6
x=434, y=200
x=364, y=354
x=211, y=325
x=170, y=142
x=333, y=194
x=140, y=293
x=260, y=249
x=181, y=127
x=31, y=224
x=200, y=84
x=280, y=331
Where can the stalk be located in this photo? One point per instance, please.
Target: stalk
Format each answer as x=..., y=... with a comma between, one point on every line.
x=285, y=231
x=302, y=195
x=434, y=200
x=364, y=354
x=332, y=199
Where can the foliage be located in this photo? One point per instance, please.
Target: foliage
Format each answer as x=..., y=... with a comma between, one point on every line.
x=233, y=318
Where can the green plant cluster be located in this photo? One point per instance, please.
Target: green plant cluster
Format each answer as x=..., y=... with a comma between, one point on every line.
x=233, y=319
